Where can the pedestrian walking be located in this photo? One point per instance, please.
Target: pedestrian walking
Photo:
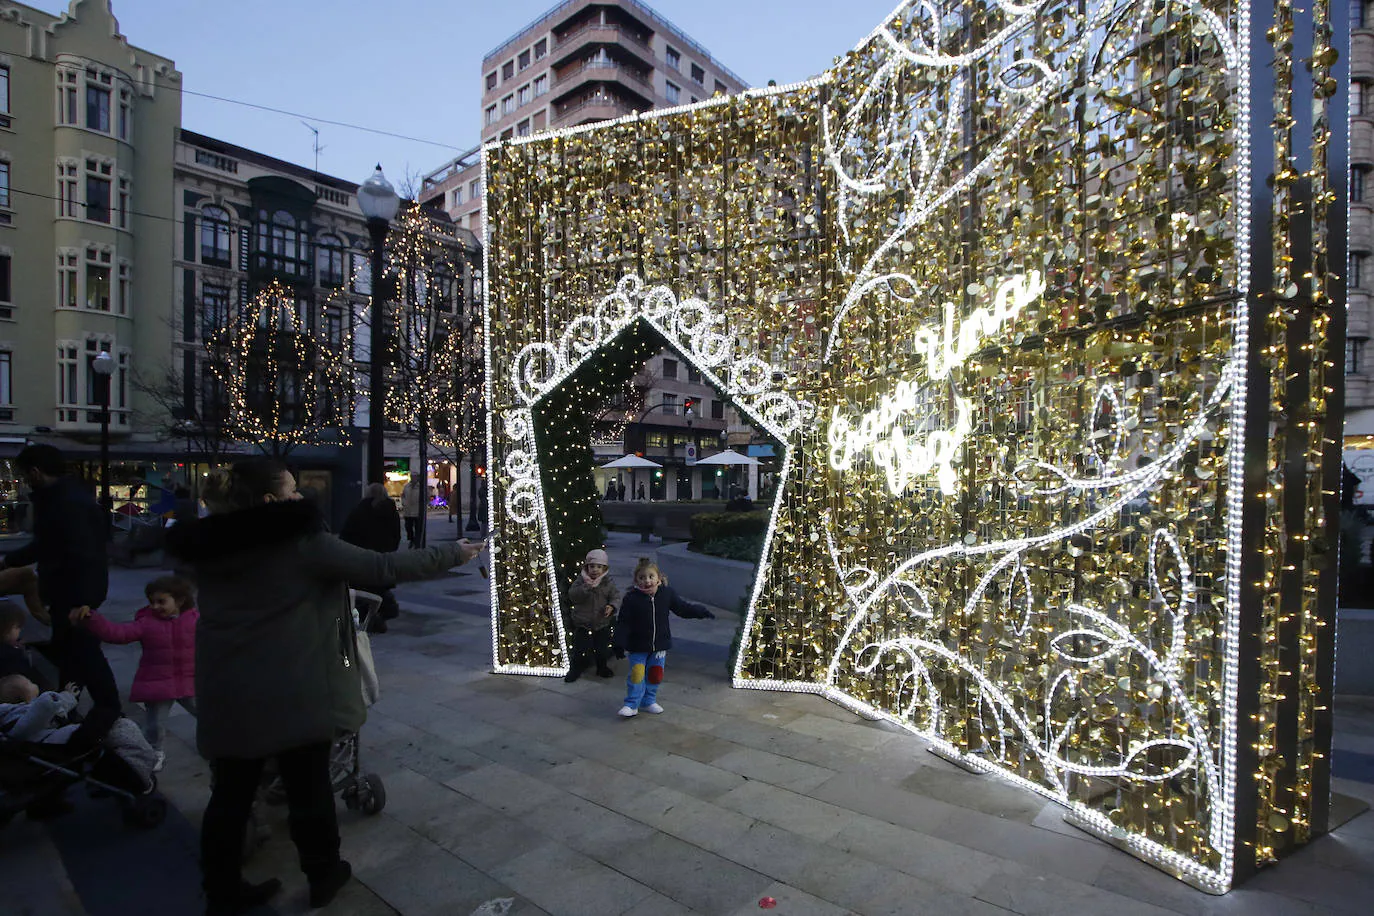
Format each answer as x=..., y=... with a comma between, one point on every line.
x=641, y=491
x=166, y=629
x=277, y=672
x=644, y=633
x=591, y=607
x=412, y=504
x=70, y=538
x=375, y=524
x=620, y=489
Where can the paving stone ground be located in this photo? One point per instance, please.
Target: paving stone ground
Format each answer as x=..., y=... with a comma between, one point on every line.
x=532, y=789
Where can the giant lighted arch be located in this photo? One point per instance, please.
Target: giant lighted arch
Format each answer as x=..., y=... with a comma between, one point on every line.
x=1024, y=293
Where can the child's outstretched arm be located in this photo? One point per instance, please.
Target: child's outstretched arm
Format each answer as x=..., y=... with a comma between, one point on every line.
x=690, y=609
x=107, y=630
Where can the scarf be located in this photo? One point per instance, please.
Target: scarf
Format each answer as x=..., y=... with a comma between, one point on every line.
x=589, y=581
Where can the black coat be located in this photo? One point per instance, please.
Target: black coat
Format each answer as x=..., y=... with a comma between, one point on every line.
x=70, y=533
x=276, y=658
x=643, y=622
x=373, y=527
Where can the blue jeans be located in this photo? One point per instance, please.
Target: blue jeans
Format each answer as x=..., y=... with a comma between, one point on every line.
x=641, y=684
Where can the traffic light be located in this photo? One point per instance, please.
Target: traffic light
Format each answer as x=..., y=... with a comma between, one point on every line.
x=481, y=471
x=688, y=404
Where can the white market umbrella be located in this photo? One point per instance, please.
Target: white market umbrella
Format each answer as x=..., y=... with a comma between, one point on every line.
x=632, y=461
x=728, y=458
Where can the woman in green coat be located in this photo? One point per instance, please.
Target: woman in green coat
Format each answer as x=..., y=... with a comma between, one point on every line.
x=276, y=669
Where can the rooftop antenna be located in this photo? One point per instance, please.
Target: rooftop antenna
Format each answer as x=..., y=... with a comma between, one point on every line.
x=314, y=130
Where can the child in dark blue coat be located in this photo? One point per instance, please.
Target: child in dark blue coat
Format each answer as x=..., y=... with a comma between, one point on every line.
x=642, y=632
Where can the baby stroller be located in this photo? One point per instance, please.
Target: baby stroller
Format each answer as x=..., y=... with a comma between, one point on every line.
x=34, y=776
x=359, y=791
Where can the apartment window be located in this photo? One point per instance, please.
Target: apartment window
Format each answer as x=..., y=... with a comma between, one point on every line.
x=524, y=59
x=673, y=58
x=94, y=394
x=361, y=282
x=492, y=116
x=331, y=259
x=475, y=189
x=97, y=108
x=67, y=365
x=670, y=404
x=122, y=383
x=66, y=279
x=334, y=327
x=5, y=90
x=66, y=96
x=457, y=196
x=214, y=236
x=1356, y=98
x=693, y=375
x=717, y=410
x=124, y=203
x=491, y=80
x=125, y=113
x=523, y=94
x=67, y=200
x=5, y=185
x=720, y=88
x=6, y=283
x=1356, y=185
x=671, y=93
x=214, y=309
x=125, y=288
x=523, y=128
x=280, y=246
x=1357, y=13
x=541, y=47
x=508, y=105
x=98, y=189
x=541, y=85
x=670, y=368
x=6, y=378
x=97, y=280
x=508, y=70
x=1354, y=270
x=698, y=75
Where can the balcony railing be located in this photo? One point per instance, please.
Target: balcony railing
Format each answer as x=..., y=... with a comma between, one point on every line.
x=216, y=161
x=616, y=33
x=573, y=75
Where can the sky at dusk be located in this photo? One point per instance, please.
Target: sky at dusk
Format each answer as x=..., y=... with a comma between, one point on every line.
x=413, y=67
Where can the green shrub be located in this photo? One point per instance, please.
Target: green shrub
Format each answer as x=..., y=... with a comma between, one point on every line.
x=715, y=526
x=745, y=547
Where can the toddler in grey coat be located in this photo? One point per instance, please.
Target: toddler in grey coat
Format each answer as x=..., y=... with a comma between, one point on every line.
x=592, y=598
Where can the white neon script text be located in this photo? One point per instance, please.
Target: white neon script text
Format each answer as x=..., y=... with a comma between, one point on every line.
x=905, y=456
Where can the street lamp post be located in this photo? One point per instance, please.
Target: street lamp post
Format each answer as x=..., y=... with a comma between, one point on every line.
x=103, y=366
x=378, y=201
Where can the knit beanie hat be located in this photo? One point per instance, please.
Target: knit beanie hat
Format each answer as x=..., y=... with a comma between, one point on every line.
x=597, y=556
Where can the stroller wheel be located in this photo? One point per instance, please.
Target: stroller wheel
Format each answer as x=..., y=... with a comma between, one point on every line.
x=372, y=797
x=146, y=813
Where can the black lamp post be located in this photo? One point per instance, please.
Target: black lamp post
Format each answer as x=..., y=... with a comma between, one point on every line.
x=103, y=366
x=378, y=201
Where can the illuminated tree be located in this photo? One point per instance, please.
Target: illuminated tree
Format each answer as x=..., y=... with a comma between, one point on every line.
x=284, y=385
x=433, y=341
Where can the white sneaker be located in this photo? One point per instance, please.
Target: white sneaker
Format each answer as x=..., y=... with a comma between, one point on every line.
x=160, y=763
x=653, y=708
x=628, y=712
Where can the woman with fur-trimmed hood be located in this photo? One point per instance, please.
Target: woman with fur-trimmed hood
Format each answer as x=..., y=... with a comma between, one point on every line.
x=276, y=664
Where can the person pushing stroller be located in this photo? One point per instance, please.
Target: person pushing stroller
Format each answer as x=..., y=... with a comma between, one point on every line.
x=592, y=598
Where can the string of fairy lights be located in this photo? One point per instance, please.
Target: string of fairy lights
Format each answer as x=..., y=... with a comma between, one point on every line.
x=1010, y=328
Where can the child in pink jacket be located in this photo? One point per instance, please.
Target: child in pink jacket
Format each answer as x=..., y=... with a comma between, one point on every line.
x=167, y=671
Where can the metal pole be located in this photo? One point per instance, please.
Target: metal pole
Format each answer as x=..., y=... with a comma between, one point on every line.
x=105, y=444
x=376, y=406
